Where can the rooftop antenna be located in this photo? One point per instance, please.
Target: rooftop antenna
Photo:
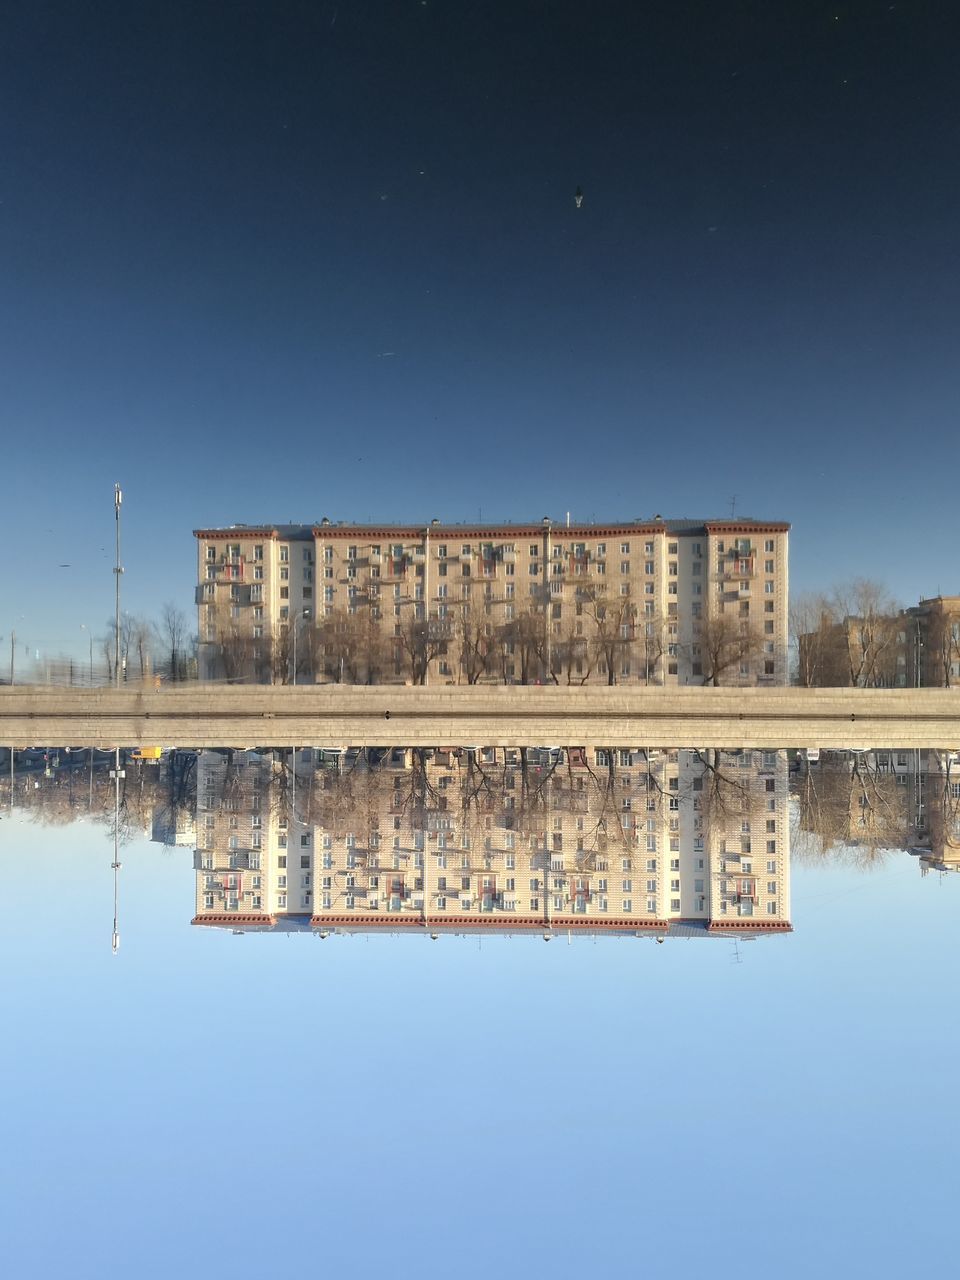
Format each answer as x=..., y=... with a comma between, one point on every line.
x=733, y=506
x=737, y=957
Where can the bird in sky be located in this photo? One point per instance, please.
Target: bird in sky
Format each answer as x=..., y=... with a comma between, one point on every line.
x=578, y=197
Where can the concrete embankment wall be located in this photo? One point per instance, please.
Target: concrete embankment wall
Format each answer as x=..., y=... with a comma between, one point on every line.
x=343, y=715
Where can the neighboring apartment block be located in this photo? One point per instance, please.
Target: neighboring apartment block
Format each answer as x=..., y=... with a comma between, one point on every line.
x=641, y=842
x=659, y=602
x=918, y=647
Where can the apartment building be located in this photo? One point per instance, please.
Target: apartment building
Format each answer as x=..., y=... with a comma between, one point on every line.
x=918, y=647
x=642, y=842
x=658, y=602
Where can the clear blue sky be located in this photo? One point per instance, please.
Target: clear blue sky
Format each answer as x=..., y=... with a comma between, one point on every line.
x=434, y=1108
x=254, y=258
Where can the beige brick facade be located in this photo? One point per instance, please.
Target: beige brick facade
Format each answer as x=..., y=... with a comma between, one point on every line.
x=659, y=602
x=630, y=841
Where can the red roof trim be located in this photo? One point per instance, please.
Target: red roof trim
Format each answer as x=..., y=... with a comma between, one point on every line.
x=235, y=918
x=481, y=533
x=737, y=526
x=385, y=920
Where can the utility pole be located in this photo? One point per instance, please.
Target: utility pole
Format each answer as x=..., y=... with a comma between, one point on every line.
x=117, y=500
x=115, y=866
x=426, y=604
x=547, y=609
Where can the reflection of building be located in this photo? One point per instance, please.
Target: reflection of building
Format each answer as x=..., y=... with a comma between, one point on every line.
x=863, y=805
x=631, y=842
x=654, y=601
x=938, y=839
x=173, y=825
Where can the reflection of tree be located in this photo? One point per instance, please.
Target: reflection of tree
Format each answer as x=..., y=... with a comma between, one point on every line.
x=75, y=791
x=724, y=786
x=856, y=813
x=939, y=824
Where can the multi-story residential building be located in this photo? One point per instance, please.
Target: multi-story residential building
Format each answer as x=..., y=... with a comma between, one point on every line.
x=918, y=647
x=929, y=641
x=659, y=602
x=641, y=842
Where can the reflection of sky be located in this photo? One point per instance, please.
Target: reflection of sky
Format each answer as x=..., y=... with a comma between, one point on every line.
x=206, y=1104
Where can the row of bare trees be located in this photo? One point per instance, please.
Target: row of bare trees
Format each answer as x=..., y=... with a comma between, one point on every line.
x=163, y=646
x=857, y=636
x=846, y=638
x=606, y=637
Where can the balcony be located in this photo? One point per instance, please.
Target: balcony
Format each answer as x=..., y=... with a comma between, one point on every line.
x=394, y=569
x=738, y=569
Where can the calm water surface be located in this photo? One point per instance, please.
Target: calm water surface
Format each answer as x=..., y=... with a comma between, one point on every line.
x=280, y=1067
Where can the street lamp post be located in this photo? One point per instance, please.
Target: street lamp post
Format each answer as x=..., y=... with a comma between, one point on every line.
x=301, y=614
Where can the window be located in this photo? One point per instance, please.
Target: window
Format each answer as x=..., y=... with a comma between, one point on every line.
x=624, y=566
x=624, y=548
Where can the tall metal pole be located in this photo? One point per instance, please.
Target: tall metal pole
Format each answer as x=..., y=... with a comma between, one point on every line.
x=13, y=649
x=117, y=500
x=426, y=602
x=548, y=597
x=116, y=864
x=115, y=939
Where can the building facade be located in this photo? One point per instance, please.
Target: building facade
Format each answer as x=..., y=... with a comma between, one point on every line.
x=658, y=602
x=918, y=647
x=640, y=842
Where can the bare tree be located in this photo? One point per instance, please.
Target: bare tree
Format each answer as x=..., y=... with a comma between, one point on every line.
x=813, y=637
x=726, y=646
x=869, y=618
x=477, y=648
x=233, y=644
x=941, y=648
x=571, y=655
x=171, y=632
x=613, y=621
x=140, y=635
x=520, y=647
x=418, y=643
x=352, y=647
